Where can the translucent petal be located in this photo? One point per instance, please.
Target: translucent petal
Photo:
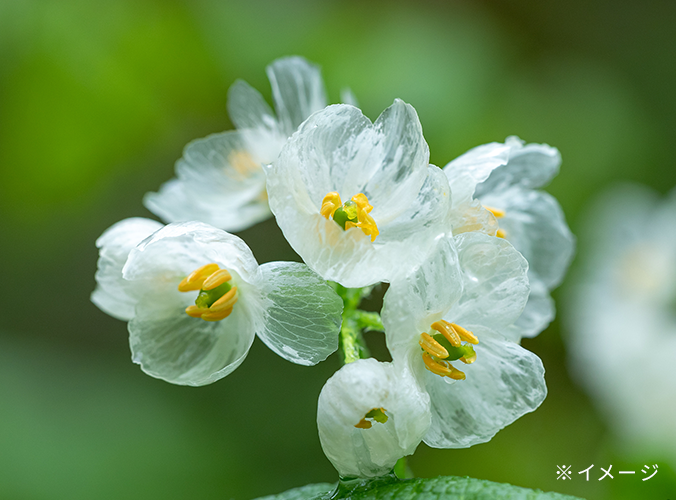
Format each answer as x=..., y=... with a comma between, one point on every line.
x=472, y=216
x=301, y=313
x=505, y=382
x=297, y=90
x=173, y=252
x=113, y=294
x=349, y=395
x=165, y=341
x=537, y=314
x=474, y=167
x=248, y=109
x=530, y=166
x=495, y=285
x=219, y=181
x=414, y=301
x=189, y=351
x=176, y=202
x=337, y=149
x=429, y=210
x=534, y=223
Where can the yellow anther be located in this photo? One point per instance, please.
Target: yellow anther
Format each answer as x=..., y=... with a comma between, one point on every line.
x=216, y=279
x=501, y=233
x=226, y=302
x=196, y=278
x=330, y=204
x=447, y=330
x=364, y=424
x=375, y=414
x=362, y=202
x=432, y=347
x=435, y=354
x=442, y=368
x=497, y=212
x=216, y=316
x=207, y=279
x=194, y=311
x=464, y=334
x=354, y=213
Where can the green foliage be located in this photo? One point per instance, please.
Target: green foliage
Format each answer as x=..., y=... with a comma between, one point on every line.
x=391, y=488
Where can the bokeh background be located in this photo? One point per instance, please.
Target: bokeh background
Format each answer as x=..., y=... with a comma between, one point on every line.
x=97, y=100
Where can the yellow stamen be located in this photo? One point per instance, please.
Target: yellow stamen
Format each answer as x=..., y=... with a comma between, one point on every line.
x=432, y=347
x=434, y=354
x=216, y=316
x=226, y=302
x=359, y=210
x=442, y=368
x=376, y=414
x=465, y=335
x=497, y=212
x=205, y=279
x=194, y=311
x=216, y=279
x=362, y=202
x=501, y=233
x=195, y=279
x=330, y=204
x=364, y=424
x=447, y=330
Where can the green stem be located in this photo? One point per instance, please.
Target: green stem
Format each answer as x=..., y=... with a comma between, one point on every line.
x=355, y=321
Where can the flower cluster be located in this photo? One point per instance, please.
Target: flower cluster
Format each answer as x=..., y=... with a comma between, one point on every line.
x=361, y=204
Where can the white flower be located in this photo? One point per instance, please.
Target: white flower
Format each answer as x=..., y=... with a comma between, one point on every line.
x=358, y=201
x=621, y=315
x=195, y=297
x=220, y=178
x=505, y=179
x=453, y=312
x=370, y=414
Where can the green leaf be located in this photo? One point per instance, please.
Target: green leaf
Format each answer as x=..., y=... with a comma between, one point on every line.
x=442, y=488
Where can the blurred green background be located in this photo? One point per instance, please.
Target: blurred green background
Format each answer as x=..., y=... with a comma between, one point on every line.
x=97, y=100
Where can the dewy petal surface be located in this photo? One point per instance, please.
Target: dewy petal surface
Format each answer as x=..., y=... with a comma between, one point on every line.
x=189, y=351
x=297, y=90
x=530, y=166
x=301, y=314
x=349, y=395
x=113, y=294
x=414, y=301
x=495, y=285
x=219, y=181
x=474, y=167
x=505, y=382
x=338, y=149
x=534, y=223
x=166, y=342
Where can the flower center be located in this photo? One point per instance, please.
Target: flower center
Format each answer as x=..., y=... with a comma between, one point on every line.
x=243, y=164
x=499, y=214
x=353, y=213
x=375, y=414
x=445, y=345
x=217, y=295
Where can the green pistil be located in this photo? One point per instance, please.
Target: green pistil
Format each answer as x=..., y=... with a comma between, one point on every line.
x=462, y=351
x=207, y=297
x=378, y=415
x=348, y=212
